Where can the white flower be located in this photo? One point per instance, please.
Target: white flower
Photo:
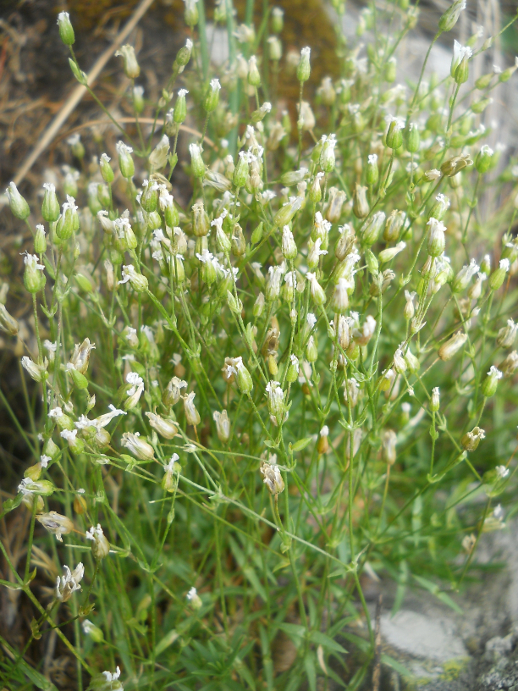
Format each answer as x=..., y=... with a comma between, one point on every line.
x=122, y=148
x=502, y=472
x=31, y=261
x=69, y=583
x=136, y=381
x=495, y=373
x=55, y=413
x=170, y=466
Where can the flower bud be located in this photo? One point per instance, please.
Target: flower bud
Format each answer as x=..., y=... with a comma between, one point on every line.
x=435, y=400
x=194, y=599
x=360, y=204
x=19, y=207
x=272, y=476
x=451, y=16
x=510, y=364
x=506, y=335
x=484, y=159
x=258, y=307
x=33, y=277
x=413, y=138
x=180, y=109
x=66, y=30
x=459, y=69
x=76, y=446
x=254, y=76
x=454, y=165
x=149, y=198
x=327, y=155
x=131, y=66
x=277, y=20
x=100, y=546
x=50, y=204
x=287, y=212
x=212, y=98
x=498, y=276
x=93, y=631
x=126, y=164
x=394, y=135
x=289, y=248
x=490, y=383
x=436, y=237
x=244, y=379
x=197, y=164
x=137, y=281
x=184, y=55
x=8, y=324
x=452, y=346
x=388, y=446
x=370, y=231
x=274, y=48
x=304, y=66
x=166, y=428
x=222, y=426
x=372, y=174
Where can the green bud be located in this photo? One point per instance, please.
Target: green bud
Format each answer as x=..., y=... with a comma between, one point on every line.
x=257, y=234
x=40, y=241
x=78, y=74
x=138, y=99
x=394, y=136
x=212, y=98
x=413, y=138
x=390, y=70
x=149, y=198
x=484, y=160
x=33, y=277
x=372, y=262
x=244, y=378
x=66, y=30
x=490, y=383
x=197, y=164
x=126, y=164
x=254, y=76
x=184, y=55
x=241, y=171
x=277, y=20
x=106, y=170
x=180, y=109
x=50, y=204
x=498, y=276
x=191, y=14
x=304, y=67
x=451, y=16
x=372, y=174
x=480, y=106
x=369, y=233
x=19, y=207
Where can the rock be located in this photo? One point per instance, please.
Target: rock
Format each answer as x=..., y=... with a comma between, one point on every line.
x=422, y=636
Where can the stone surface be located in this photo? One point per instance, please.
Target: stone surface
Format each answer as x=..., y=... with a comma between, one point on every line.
x=422, y=636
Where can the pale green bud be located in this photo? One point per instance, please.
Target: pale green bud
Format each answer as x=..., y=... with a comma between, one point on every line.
x=66, y=30
x=50, y=204
x=19, y=207
x=126, y=164
x=304, y=66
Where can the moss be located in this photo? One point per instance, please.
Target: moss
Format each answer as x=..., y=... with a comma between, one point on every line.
x=454, y=668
